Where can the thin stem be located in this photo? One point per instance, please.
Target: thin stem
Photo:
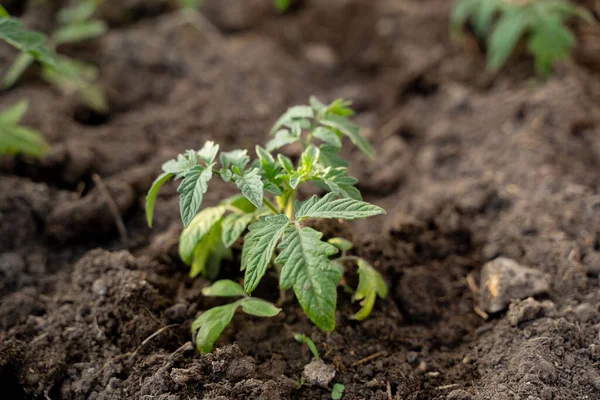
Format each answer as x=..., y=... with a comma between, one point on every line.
x=289, y=208
x=271, y=206
x=347, y=258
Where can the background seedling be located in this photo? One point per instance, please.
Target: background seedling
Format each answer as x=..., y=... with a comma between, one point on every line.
x=276, y=228
x=70, y=76
x=502, y=23
x=338, y=391
x=18, y=139
x=302, y=338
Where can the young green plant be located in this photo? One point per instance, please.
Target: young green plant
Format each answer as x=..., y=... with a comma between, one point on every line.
x=75, y=25
x=18, y=139
x=502, y=23
x=275, y=220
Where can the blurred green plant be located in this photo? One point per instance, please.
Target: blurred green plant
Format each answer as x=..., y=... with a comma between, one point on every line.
x=502, y=23
x=76, y=24
x=18, y=139
x=302, y=338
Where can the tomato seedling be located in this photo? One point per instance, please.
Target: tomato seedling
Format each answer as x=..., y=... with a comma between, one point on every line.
x=502, y=23
x=18, y=139
x=267, y=208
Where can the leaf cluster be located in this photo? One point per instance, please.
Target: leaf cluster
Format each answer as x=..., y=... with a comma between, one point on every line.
x=502, y=23
x=76, y=24
x=15, y=138
x=276, y=235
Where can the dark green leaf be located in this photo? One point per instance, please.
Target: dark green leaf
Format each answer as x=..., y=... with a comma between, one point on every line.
x=211, y=324
x=191, y=191
x=259, y=246
x=251, y=186
x=330, y=207
x=306, y=267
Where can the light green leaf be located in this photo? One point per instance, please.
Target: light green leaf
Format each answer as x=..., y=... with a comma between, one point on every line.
x=251, y=186
x=343, y=125
x=183, y=163
x=237, y=158
x=191, y=191
x=259, y=308
x=285, y=162
x=17, y=69
x=328, y=156
x=16, y=139
x=340, y=184
x=328, y=136
x=224, y=288
x=211, y=324
x=233, y=226
x=240, y=202
x=482, y=18
x=296, y=112
x=259, y=246
x=307, y=268
x=13, y=114
x=370, y=285
x=153, y=192
x=92, y=96
x=80, y=11
x=330, y=207
x=209, y=253
x=200, y=226
x=309, y=158
x=341, y=243
x=337, y=392
x=282, y=138
x=302, y=338
x=461, y=12
x=79, y=31
x=3, y=12
x=208, y=152
x=504, y=38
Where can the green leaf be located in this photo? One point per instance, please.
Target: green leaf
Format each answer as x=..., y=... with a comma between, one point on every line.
x=286, y=163
x=16, y=139
x=338, y=391
x=282, y=5
x=370, y=285
x=3, y=12
x=224, y=288
x=240, y=202
x=340, y=107
x=80, y=11
x=550, y=41
x=282, y=138
x=200, y=226
x=237, y=158
x=329, y=207
x=328, y=136
x=153, y=192
x=251, y=186
x=211, y=324
x=17, y=69
x=259, y=308
x=482, y=18
x=259, y=246
x=233, y=226
x=307, y=268
x=191, y=191
x=208, y=152
x=13, y=114
x=349, y=129
x=341, y=243
x=296, y=112
x=209, y=253
x=79, y=31
x=328, y=156
x=182, y=164
x=92, y=96
x=309, y=158
x=302, y=338
x=504, y=38
x=340, y=184
x=461, y=12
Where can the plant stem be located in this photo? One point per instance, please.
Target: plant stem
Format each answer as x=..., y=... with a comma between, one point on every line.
x=289, y=208
x=271, y=206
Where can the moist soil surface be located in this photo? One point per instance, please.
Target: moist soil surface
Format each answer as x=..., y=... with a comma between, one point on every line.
x=471, y=166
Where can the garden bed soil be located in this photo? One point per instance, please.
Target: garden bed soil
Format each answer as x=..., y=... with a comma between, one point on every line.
x=471, y=166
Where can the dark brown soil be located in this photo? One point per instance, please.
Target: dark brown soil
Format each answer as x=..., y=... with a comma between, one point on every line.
x=471, y=167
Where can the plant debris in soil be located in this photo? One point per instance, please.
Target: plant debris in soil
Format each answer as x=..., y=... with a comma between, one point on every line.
x=471, y=167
